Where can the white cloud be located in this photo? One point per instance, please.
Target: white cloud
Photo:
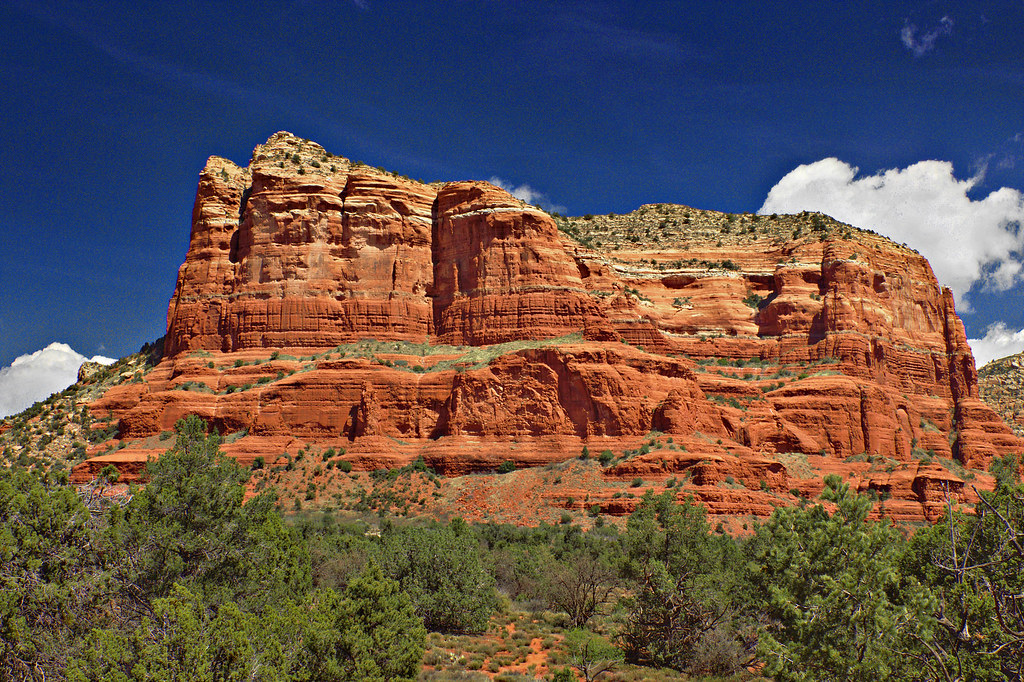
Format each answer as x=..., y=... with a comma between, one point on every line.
x=966, y=241
x=34, y=376
x=527, y=194
x=921, y=43
x=998, y=342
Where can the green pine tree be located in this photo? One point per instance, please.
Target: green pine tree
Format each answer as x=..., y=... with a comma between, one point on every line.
x=838, y=607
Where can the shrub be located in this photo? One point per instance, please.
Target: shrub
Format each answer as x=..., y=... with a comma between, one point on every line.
x=441, y=570
x=685, y=585
x=191, y=509
x=110, y=473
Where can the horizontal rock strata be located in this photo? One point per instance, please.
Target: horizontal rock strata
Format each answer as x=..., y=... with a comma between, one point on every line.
x=324, y=303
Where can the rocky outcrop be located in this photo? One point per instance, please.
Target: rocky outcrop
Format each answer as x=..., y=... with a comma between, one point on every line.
x=501, y=272
x=1001, y=387
x=88, y=370
x=328, y=304
x=302, y=249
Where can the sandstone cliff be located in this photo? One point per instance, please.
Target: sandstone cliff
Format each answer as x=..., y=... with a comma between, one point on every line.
x=324, y=304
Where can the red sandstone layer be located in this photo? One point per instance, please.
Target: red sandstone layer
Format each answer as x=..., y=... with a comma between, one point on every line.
x=746, y=343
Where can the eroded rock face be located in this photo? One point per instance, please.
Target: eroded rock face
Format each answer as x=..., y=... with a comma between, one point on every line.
x=325, y=304
x=300, y=249
x=501, y=272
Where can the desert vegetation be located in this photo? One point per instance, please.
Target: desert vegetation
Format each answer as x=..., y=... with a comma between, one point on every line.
x=178, y=579
x=678, y=225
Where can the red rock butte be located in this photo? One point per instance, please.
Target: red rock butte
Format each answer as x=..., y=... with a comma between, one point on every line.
x=327, y=302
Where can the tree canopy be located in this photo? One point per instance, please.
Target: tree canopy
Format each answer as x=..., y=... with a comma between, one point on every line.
x=184, y=579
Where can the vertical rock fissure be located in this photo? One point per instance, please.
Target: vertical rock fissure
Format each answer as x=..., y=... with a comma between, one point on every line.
x=345, y=226
x=243, y=204
x=394, y=269
x=865, y=425
x=434, y=320
x=954, y=375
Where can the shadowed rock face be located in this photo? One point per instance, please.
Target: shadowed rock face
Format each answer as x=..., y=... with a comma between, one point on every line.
x=326, y=302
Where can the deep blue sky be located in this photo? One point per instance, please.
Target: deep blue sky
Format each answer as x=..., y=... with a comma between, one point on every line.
x=110, y=110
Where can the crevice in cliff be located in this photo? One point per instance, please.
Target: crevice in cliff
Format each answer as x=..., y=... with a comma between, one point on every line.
x=345, y=236
x=444, y=415
x=243, y=205
x=581, y=265
x=762, y=328
x=352, y=423
x=865, y=425
x=954, y=375
x=434, y=321
x=394, y=269
x=233, y=250
x=817, y=331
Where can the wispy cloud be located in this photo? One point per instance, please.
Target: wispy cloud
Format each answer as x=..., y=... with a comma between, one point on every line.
x=924, y=205
x=998, y=342
x=199, y=81
x=1010, y=153
x=920, y=41
x=528, y=194
x=1003, y=157
x=34, y=376
x=350, y=126
x=633, y=42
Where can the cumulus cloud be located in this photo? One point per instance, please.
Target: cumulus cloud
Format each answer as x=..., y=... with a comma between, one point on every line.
x=34, y=376
x=998, y=342
x=527, y=194
x=921, y=42
x=966, y=241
